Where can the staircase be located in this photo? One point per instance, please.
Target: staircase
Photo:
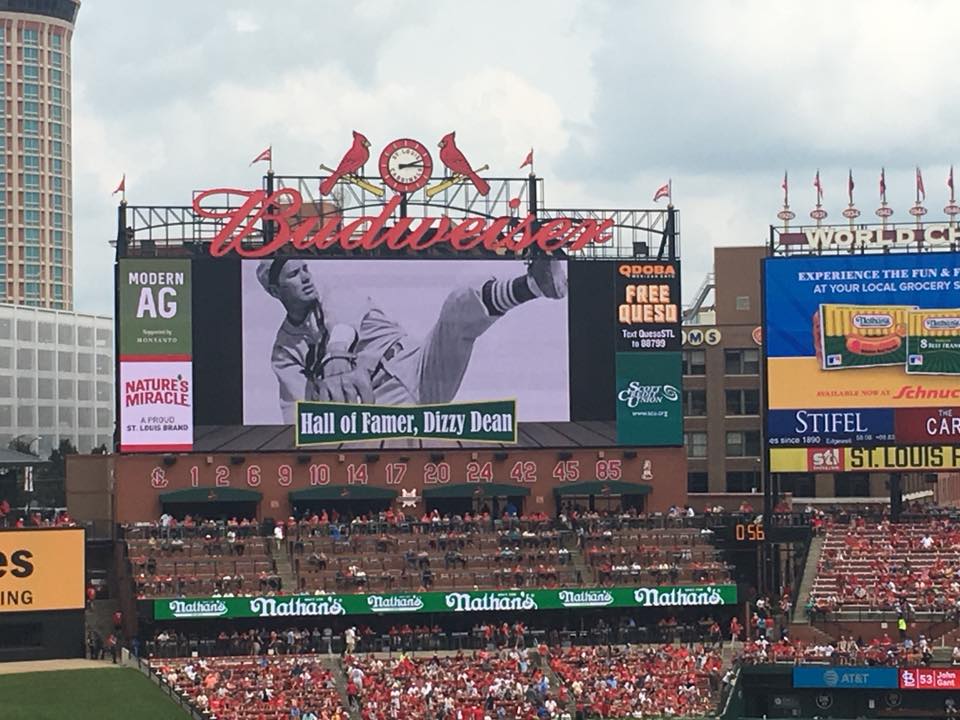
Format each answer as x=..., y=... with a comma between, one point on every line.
x=555, y=683
x=340, y=680
x=809, y=575
x=99, y=617
x=284, y=567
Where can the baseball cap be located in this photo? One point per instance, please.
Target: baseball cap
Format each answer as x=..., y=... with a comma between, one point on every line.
x=268, y=272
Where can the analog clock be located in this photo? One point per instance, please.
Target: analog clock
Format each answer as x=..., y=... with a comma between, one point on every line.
x=405, y=165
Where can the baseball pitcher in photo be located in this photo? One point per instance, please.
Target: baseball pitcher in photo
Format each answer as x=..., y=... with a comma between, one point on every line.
x=332, y=347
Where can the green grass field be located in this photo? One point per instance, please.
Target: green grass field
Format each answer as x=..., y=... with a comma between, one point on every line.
x=121, y=693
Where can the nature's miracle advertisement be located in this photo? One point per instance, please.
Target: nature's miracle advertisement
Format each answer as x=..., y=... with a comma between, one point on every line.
x=854, y=342
x=156, y=355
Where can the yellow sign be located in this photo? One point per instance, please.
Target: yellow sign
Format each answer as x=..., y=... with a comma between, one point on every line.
x=800, y=383
x=926, y=458
x=41, y=570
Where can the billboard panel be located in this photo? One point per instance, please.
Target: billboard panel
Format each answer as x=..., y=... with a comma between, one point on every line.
x=853, y=341
x=649, y=405
x=648, y=306
x=444, y=602
x=155, y=336
x=840, y=676
x=425, y=331
x=42, y=570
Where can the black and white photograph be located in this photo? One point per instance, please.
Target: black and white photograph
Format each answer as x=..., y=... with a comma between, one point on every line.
x=404, y=332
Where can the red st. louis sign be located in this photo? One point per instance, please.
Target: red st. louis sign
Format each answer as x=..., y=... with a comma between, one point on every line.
x=369, y=232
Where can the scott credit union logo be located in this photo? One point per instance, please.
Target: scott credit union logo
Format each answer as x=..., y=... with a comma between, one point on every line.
x=636, y=394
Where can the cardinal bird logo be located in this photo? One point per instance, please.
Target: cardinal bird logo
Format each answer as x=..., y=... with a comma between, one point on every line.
x=352, y=161
x=453, y=159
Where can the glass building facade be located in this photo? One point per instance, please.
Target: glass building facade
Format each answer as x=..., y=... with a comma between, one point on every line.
x=36, y=186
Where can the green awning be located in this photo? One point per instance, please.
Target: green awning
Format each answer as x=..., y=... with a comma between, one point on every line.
x=342, y=492
x=604, y=487
x=210, y=495
x=469, y=490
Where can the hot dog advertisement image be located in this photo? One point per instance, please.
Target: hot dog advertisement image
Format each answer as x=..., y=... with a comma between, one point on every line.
x=861, y=351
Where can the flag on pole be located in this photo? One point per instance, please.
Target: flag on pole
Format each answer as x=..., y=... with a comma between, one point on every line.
x=528, y=160
x=850, y=187
x=122, y=187
x=786, y=191
x=921, y=193
x=950, y=181
x=883, y=185
x=662, y=192
x=265, y=156
x=819, y=187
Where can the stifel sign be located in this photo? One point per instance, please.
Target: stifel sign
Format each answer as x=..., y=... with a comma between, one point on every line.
x=367, y=233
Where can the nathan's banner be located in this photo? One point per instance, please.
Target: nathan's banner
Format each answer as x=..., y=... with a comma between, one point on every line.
x=156, y=355
x=443, y=602
x=866, y=459
x=649, y=410
x=320, y=422
x=852, y=341
x=41, y=570
x=648, y=306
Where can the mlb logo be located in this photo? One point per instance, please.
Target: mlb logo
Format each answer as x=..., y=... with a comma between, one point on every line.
x=915, y=360
x=834, y=360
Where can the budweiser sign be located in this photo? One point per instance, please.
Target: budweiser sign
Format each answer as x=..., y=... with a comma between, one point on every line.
x=282, y=207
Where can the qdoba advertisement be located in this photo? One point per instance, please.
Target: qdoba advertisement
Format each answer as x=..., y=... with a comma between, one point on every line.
x=863, y=361
x=156, y=356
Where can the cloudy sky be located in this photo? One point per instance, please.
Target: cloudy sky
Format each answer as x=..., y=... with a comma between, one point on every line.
x=614, y=96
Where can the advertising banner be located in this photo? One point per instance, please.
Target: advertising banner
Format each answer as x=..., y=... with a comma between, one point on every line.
x=319, y=423
x=866, y=459
x=443, y=602
x=930, y=679
x=156, y=355
x=42, y=570
x=851, y=339
x=928, y=425
x=156, y=405
x=830, y=427
x=648, y=306
x=424, y=332
x=649, y=404
x=844, y=676
x=155, y=308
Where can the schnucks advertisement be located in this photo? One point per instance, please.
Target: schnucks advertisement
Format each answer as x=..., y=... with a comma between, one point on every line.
x=863, y=362
x=649, y=405
x=156, y=355
x=504, y=601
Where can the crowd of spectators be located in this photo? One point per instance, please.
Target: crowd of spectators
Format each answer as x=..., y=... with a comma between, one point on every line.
x=291, y=688
x=642, y=682
x=880, y=651
x=879, y=565
x=27, y=517
x=455, y=687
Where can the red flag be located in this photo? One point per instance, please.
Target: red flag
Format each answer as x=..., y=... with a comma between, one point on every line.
x=662, y=192
x=950, y=179
x=819, y=187
x=850, y=187
x=883, y=185
x=265, y=156
x=785, y=187
x=527, y=160
x=122, y=187
x=921, y=193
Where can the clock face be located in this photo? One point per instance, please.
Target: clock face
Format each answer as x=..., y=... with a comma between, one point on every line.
x=405, y=165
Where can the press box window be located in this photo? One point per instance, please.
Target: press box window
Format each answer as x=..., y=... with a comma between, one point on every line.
x=694, y=403
x=696, y=444
x=743, y=443
x=743, y=402
x=741, y=362
x=694, y=362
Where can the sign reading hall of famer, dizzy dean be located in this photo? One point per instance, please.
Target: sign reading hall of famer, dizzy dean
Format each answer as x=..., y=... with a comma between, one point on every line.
x=323, y=422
